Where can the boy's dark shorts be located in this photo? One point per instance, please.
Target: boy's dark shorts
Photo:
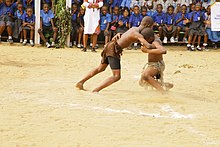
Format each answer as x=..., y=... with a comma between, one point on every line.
x=47, y=29
x=113, y=62
x=6, y=21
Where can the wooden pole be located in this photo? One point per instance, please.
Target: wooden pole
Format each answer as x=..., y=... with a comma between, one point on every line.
x=68, y=5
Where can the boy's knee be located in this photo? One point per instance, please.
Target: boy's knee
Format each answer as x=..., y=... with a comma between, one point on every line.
x=39, y=30
x=146, y=77
x=101, y=69
x=117, y=77
x=32, y=28
x=55, y=30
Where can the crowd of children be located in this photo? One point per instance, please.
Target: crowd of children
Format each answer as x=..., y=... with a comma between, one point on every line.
x=171, y=17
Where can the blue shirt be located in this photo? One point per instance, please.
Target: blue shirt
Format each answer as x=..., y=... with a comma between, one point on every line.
x=135, y=20
x=179, y=16
x=123, y=19
x=116, y=3
x=77, y=0
x=25, y=3
x=28, y=19
x=4, y=10
x=197, y=16
x=74, y=16
x=150, y=13
x=18, y=15
x=158, y=17
x=169, y=19
x=104, y=20
x=126, y=3
x=114, y=17
x=46, y=17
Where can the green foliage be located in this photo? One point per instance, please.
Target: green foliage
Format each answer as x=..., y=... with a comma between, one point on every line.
x=63, y=21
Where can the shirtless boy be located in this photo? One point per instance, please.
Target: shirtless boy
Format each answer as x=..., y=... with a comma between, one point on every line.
x=113, y=51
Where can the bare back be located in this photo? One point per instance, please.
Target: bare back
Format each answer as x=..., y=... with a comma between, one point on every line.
x=155, y=57
x=129, y=37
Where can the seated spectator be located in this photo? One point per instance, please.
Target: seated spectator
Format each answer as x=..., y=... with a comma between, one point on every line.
x=158, y=18
x=144, y=11
x=49, y=2
x=17, y=29
x=214, y=36
x=116, y=3
x=80, y=23
x=123, y=22
x=105, y=20
x=6, y=17
x=74, y=32
x=28, y=25
x=181, y=21
x=28, y=3
x=169, y=28
x=47, y=25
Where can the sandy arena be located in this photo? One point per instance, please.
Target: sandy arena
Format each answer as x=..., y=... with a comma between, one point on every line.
x=40, y=107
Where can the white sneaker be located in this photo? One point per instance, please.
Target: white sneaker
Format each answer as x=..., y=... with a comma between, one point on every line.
x=135, y=44
x=25, y=42
x=165, y=40
x=31, y=43
x=185, y=40
x=48, y=45
x=71, y=44
x=53, y=44
x=21, y=40
x=74, y=43
x=78, y=45
x=90, y=45
x=176, y=39
x=172, y=40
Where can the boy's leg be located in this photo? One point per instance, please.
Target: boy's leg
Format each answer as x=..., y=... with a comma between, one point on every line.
x=148, y=76
x=80, y=36
x=85, y=39
x=94, y=41
x=186, y=32
x=178, y=32
x=116, y=71
x=160, y=29
x=25, y=34
x=55, y=30
x=91, y=74
x=31, y=33
x=40, y=32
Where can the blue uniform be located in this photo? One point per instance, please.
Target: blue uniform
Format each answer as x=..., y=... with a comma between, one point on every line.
x=150, y=13
x=25, y=4
x=77, y=0
x=4, y=10
x=18, y=15
x=179, y=16
x=46, y=17
x=116, y=3
x=74, y=16
x=114, y=17
x=126, y=3
x=135, y=20
x=169, y=19
x=104, y=20
x=28, y=19
x=123, y=19
x=158, y=17
x=197, y=16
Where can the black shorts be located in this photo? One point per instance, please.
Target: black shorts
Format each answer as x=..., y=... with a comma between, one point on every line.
x=113, y=62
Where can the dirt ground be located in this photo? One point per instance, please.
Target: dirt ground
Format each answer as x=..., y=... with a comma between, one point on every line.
x=40, y=107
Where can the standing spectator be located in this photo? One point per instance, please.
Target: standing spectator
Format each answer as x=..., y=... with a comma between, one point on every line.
x=91, y=20
x=158, y=18
x=197, y=19
x=181, y=21
x=74, y=32
x=126, y=3
x=80, y=22
x=116, y=3
x=6, y=17
x=123, y=21
x=165, y=4
x=214, y=36
x=28, y=24
x=49, y=2
x=47, y=25
x=17, y=29
x=105, y=21
x=169, y=28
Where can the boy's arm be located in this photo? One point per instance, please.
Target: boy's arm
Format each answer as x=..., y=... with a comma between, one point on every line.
x=159, y=49
x=145, y=43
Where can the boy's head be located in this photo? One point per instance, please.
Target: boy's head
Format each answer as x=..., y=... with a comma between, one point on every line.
x=192, y=7
x=82, y=11
x=209, y=9
x=116, y=10
x=8, y=2
x=46, y=7
x=104, y=10
x=20, y=7
x=29, y=11
x=74, y=8
x=126, y=12
x=159, y=8
x=183, y=9
x=148, y=34
x=147, y=21
x=170, y=9
x=136, y=10
x=198, y=7
x=144, y=11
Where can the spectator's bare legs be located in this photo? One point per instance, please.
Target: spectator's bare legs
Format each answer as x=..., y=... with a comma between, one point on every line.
x=186, y=32
x=2, y=28
x=94, y=41
x=106, y=39
x=178, y=32
x=55, y=30
x=80, y=35
x=31, y=33
x=114, y=78
x=148, y=76
x=194, y=40
x=25, y=34
x=190, y=39
x=42, y=35
x=160, y=29
x=85, y=39
x=91, y=74
x=199, y=40
x=9, y=30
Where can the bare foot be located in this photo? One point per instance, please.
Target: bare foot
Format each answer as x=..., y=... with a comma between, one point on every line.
x=168, y=86
x=79, y=86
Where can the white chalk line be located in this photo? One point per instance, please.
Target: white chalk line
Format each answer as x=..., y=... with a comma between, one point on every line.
x=166, y=108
